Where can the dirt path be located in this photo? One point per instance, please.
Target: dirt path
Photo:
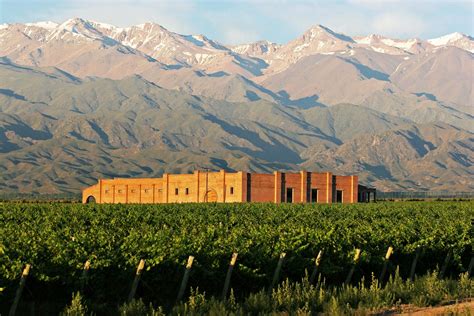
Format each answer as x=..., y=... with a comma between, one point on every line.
x=464, y=308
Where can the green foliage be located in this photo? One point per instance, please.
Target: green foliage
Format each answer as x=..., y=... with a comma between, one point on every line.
x=58, y=238
x=138, y=308
x=303, y=298
x=77, y=306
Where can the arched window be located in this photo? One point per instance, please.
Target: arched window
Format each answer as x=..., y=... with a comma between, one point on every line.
x=90, y=199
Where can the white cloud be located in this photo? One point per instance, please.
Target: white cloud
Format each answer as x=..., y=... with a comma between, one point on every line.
x=235, y=36
x=401, y=24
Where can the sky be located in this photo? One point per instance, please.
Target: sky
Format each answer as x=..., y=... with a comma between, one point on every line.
x=241, y=21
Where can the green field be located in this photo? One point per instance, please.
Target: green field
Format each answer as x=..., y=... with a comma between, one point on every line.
x=57, y=239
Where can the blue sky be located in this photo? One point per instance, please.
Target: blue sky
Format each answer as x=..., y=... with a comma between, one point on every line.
x=239, y=21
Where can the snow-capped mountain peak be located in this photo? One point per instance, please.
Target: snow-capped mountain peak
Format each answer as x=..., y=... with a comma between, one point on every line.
x=321, y=32
x=103, y=25
x=370, y=39
x=76, y=27
x=387, y=45
x=149, y=26
x=48, y=25
x=446, y=39
x=316, y=40
x=457, y=39
x=70, y=24
x=259, y=48
x=170, y=48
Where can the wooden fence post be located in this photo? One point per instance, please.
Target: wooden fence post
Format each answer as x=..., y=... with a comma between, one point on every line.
x=413, y=264
x=317, y=262
x=19, y=291
x=138, y=274
x=385, y=264
x=228, y=276
x=276, y=275
x=184, y=282
x=351, y=271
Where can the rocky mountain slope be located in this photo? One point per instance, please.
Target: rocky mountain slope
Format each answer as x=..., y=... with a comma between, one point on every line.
x=82, y=100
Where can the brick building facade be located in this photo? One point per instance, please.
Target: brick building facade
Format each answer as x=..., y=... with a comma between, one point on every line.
x=301, y=187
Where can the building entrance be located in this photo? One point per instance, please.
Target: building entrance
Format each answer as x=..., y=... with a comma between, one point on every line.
x=211, y=196
x=314, y=195
x=289, y=195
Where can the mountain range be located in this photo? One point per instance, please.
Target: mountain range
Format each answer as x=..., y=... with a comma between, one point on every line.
x=83, y=100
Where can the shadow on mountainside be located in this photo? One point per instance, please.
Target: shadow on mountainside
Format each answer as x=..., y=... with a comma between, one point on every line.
x=12, y=94
x=268, y=151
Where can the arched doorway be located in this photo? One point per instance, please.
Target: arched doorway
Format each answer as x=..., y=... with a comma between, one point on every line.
x=211, y=196
x=90, y=199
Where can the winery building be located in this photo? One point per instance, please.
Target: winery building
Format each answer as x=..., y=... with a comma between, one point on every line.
x=222, y=186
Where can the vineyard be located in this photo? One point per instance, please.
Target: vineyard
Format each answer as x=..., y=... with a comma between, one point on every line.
x=275, y=244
